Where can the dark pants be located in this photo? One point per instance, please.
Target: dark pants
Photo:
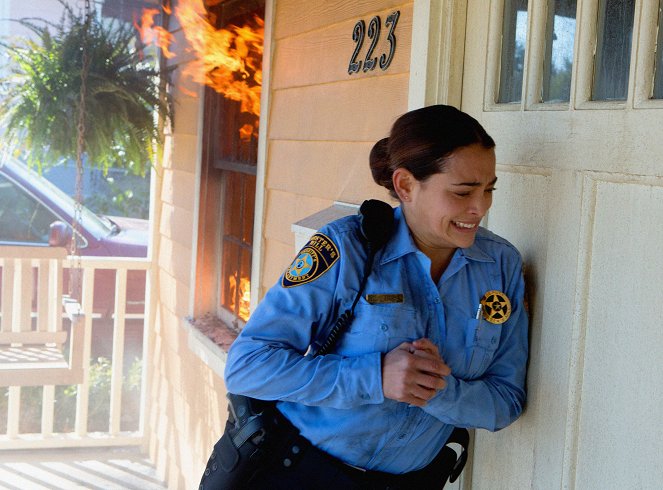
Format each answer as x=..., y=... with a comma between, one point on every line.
x=312, y=469
x=289, y=461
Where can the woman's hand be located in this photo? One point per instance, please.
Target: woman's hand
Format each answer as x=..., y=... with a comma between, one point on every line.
x=413, y=372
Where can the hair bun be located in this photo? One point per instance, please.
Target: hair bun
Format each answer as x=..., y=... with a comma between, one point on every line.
x=380, y=166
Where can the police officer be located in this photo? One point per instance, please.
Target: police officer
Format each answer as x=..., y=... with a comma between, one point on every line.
x=439, y=338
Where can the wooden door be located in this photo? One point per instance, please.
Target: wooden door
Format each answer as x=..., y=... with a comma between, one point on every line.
x=580, y=192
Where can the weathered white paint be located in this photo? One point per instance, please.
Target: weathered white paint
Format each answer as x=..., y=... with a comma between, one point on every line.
x=580, y=187
x=436, y=60
x=260, y=204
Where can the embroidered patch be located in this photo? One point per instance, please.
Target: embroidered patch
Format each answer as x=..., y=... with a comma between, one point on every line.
x=317, y=256
x=496, y=307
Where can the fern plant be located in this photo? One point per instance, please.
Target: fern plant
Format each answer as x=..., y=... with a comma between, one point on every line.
x=40, y=98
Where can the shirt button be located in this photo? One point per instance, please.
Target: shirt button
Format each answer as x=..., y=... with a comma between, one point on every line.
x=437, y=300
x=402, y=436
x=287, y=462
x=384, y=327
x=295, y=449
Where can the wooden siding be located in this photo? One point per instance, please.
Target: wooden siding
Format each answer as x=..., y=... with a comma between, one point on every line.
x=323, y=55
x=186, y=401
x=323, y=122
x=297, y=16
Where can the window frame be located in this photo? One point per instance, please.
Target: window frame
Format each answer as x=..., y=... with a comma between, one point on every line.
x=641, y=72
x=204, y=295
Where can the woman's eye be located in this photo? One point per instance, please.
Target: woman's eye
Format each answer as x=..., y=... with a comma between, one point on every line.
x=462, y=194
x=491, y=190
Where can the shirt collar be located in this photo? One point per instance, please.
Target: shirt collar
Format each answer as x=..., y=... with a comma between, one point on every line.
x=402, y=244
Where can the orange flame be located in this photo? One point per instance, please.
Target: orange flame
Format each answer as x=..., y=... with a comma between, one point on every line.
x=244, y=299
x=152, y=34
x=244, y=307
x=246, y=132
x=228, y=60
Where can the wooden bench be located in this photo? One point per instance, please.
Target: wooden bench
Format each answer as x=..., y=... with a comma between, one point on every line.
x=32, y=305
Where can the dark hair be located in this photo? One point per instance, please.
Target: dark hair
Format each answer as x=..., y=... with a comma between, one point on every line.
x=422, y=140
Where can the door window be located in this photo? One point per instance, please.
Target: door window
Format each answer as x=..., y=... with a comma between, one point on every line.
x=558, y=56
x=658, y=77
x=613, y=50
x=514, y=40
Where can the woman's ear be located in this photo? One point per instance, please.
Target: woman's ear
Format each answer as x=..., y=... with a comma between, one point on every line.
x=403, y=182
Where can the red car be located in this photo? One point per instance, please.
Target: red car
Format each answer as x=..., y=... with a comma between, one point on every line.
x=34, y=212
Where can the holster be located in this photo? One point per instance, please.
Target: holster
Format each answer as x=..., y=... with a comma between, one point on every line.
x=252, y=428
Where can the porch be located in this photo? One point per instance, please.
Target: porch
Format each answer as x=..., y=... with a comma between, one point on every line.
x=85, y=430
x=91, y=468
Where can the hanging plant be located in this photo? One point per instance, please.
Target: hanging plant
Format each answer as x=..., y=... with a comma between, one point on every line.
x=40, y=98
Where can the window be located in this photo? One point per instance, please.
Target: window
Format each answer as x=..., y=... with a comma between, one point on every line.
x=514, y=40
x=578, y=54
x=658, y=77
x=228, y=185
x=558, y=57
x=613, y=51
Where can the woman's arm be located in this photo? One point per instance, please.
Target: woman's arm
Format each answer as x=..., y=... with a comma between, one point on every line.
x=497, y=398
x=267, y=360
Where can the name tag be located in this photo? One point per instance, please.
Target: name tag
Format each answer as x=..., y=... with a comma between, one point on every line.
x=380, y=299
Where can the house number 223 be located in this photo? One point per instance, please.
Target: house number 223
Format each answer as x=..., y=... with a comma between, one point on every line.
x=359, y=33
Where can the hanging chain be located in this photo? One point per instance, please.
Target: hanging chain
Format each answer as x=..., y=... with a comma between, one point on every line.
x=75, y=282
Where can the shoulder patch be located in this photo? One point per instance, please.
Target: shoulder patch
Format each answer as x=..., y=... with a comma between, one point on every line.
x=317, y=256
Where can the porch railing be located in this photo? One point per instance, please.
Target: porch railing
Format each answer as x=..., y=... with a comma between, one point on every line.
x=108, y=407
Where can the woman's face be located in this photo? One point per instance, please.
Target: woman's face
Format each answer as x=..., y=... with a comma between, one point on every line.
x=443, y=212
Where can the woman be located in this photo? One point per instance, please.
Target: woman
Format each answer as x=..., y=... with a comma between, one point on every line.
x=439, y=338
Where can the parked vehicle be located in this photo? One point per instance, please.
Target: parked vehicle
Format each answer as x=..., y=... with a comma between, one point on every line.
x=34, y=212
x=30, y=207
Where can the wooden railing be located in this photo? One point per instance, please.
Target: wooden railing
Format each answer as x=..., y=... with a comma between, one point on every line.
x=101, y=410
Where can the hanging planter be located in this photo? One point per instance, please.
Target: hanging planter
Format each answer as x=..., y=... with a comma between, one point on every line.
x=40, y=99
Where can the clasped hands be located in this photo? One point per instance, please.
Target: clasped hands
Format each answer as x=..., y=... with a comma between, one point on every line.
x=413, y=372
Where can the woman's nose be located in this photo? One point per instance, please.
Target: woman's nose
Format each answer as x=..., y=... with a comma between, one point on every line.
x=480, y=204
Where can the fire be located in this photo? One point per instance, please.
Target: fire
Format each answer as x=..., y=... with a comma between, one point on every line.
x=151, y=34
x=244, y=306
x=244, y=299
x=229, y=60
x=246, y=132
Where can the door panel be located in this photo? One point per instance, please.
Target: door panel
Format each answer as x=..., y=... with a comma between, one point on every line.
x=580, y=193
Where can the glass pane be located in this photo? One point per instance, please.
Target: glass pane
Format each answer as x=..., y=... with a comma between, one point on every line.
x=230, y=275
x=249, y=208
x=658, y=77
x=560, y=37
x=232, y=204
x=613, y=52
x=514, y=38
x=244, y=299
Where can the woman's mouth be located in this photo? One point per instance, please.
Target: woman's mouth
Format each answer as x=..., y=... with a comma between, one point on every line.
x=464, y=226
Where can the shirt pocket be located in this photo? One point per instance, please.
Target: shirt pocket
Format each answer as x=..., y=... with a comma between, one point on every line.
x=481, y=342
x=378, y=328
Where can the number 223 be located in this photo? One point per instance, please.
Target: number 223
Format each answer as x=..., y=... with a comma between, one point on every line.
x=373, y=33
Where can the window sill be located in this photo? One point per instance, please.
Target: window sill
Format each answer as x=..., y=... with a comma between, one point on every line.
x=209, y=338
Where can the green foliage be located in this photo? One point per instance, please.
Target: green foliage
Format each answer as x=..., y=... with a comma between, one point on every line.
x=41, y=96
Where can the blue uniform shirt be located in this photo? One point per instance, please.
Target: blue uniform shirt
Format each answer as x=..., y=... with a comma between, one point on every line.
x=336, y=400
